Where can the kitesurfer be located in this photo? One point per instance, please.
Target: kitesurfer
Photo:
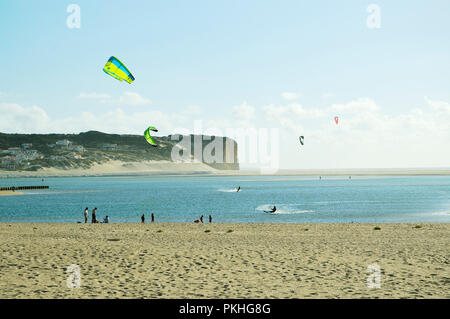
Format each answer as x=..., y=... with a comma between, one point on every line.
x=238, y=189
x=272, y=210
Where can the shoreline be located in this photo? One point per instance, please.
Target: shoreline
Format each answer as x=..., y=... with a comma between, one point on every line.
x=216, y=173
x=412, y=224
x=10, y=193
x=186, y=260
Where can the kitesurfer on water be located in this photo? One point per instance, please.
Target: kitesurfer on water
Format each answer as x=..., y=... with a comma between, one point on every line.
x=238, y=189
x=272, y=210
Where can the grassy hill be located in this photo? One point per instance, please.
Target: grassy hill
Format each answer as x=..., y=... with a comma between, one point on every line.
x=91, y=147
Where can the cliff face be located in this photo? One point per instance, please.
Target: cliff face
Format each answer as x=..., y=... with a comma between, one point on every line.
x=64, y=151
x=216, y=151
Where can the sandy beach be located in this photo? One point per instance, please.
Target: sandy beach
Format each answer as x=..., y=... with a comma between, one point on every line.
x=9, y=193
x=115, y=167
x=210, y=261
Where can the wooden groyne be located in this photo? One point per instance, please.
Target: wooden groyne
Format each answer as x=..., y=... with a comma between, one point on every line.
x=18, y=188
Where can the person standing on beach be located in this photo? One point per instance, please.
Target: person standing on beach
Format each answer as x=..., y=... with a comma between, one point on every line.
x=201, y=219
x=86, y=215
x=143, y=219
x=153, y=218
x=210, y=219
x=94, y=213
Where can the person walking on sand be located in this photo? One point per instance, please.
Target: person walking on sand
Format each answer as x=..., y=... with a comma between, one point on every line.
x=86, y=215
x=143, y=219
x=210, y=219
x=201, y=219
x=94, y=217
x=153, y=218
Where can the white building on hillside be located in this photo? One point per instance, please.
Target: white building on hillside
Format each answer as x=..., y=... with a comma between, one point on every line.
x=14, y=150
x=109, y=147
x=63, y=142
x=76, y=148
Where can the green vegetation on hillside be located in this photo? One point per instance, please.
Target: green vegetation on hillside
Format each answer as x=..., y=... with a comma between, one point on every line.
x=34, y=151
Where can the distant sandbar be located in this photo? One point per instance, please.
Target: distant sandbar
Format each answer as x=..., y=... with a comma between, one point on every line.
x=167, y=168
x=9, y=193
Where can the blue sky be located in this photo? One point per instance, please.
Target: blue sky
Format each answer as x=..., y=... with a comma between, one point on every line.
x=211, y=56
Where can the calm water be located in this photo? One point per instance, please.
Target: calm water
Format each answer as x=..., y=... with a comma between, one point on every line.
x=299, y=199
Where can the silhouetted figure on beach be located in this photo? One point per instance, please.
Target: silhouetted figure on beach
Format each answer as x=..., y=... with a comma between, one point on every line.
x=106, y=220
x=86, y=215
x=143, y=219
x=201, y=219
x=153, y=218
x=94, y=215
x=210, y=219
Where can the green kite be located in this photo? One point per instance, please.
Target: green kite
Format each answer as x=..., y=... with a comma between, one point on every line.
x=148, y=137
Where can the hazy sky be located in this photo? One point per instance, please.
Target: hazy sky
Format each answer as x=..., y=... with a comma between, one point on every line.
x=291, y=65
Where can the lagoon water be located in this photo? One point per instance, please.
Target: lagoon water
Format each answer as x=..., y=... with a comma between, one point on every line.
x=299, y=199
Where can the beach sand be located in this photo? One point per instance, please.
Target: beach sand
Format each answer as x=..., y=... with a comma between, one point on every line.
x=9, y=193
x=252, y=261
x=119, y=168
x=167, y=168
